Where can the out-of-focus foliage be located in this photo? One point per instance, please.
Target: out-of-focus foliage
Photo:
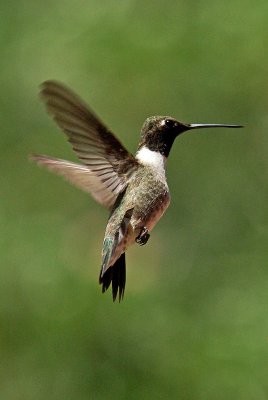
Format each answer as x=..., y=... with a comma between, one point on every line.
x=194, y=322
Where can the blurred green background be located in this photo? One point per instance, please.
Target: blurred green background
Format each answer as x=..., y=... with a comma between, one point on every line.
x=194, y=321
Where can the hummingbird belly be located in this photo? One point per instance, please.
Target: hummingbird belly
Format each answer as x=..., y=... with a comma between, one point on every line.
x=140, y=220
x=150, y=198
x=143, y=204
x=149, y=216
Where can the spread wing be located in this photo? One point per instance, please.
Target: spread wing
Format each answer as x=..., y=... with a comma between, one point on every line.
x=81, y=176
x=105, y=157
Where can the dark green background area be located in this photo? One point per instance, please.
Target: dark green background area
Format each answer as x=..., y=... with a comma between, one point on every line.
x=194, y=321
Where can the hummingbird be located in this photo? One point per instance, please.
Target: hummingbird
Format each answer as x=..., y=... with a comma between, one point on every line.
x=133, y=188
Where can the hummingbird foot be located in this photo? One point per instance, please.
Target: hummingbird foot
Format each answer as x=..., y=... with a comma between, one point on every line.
x=143, y=237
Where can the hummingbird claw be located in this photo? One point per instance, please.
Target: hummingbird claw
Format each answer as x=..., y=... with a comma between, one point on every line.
x=143, y=237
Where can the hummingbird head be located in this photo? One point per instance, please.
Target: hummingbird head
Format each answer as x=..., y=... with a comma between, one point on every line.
x=158, y=133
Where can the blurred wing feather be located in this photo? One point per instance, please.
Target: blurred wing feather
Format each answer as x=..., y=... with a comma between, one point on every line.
x=79, y=175
x=94, y=144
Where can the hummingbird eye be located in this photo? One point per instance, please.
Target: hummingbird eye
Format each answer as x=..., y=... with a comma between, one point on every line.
x=169, y=123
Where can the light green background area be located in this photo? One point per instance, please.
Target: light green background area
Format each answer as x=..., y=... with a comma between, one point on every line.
x=194, y=321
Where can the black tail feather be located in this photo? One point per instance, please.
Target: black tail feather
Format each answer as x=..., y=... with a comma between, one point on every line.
x=117, y=275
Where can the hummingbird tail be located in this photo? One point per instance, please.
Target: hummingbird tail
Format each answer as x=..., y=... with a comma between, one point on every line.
x=116, y=272
x=117, y=275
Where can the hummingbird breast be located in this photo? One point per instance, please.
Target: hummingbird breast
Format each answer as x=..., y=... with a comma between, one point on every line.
x=150, y=198
x=148, y=195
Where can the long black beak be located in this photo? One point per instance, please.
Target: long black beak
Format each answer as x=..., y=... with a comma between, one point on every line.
x=197, y=126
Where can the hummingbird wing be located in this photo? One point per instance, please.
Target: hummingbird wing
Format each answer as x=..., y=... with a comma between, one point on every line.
x=95, y=145
x=81, y=176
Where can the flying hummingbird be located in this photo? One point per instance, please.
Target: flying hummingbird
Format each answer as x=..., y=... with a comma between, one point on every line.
x=133, y=188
